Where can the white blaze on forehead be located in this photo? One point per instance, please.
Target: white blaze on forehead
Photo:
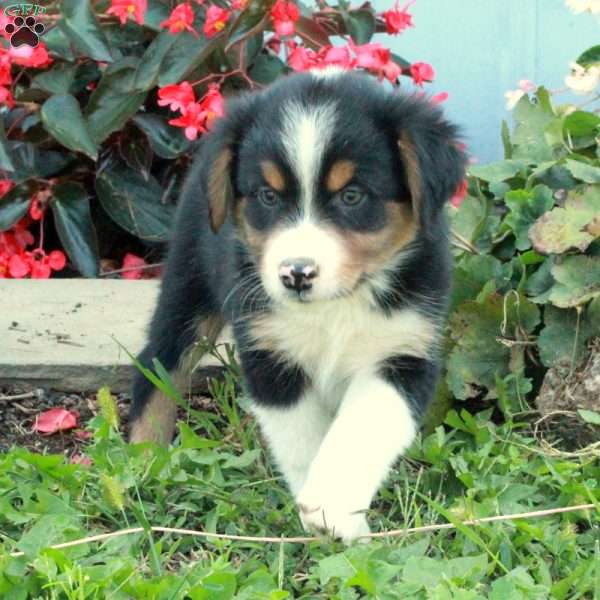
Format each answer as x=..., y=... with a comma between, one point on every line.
x=307, y=130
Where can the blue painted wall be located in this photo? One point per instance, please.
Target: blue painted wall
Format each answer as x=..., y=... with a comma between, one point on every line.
x=481, y=48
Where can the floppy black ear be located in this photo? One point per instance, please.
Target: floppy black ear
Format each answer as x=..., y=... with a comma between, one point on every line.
x=218, y=156
x=434, y=164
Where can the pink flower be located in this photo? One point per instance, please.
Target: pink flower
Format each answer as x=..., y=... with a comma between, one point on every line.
x=439, y=98
x=5, y=186
x=5, y=64
x=6, y=97
x=284, y=15
x=36, y=209
x=55, y=419
x=213, y=103
x=42, y=265
x=81, y=459
x=377, y=59
x=336, y=55
x=177, y=96
x=124, y=9
x=459, y=194
x=421, y=72
x=18, y=266
x=131, y=261
x=26, y=56
x=302, y=58
x=216, y=19
x=397, y=19
x=197, y=117
x=180, y=19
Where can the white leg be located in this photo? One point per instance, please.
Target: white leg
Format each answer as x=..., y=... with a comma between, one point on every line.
x=373, y=426
x=294, y=435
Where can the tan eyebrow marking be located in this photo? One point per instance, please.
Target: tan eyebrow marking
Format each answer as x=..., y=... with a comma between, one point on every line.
x=339, y=175
x=273, y=175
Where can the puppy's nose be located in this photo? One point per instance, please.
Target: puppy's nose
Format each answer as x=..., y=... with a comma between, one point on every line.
x=297, y=274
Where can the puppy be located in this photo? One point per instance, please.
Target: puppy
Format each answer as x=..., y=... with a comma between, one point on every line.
x=312, y=221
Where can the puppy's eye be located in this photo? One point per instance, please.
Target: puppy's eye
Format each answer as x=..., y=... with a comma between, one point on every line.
x=352, y=195
x=267, y=196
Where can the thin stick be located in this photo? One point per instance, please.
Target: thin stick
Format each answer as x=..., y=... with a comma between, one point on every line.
x=129, y=269
x=306, y=539
x=25, y=396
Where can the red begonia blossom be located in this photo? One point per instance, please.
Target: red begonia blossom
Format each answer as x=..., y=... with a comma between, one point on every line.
x=439, y=98
x=125, y=9
x=176, y=96
x=180, y=19
x=26, y=56
x=131, y=261
x=5, y=186
x=6, y=97
x=459, y=194
x=55, y=419
x=216, y=19
x=397, y=19
x=421, y=72
x=284, y=15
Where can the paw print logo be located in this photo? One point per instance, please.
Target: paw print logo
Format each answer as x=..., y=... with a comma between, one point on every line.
x=24, y=31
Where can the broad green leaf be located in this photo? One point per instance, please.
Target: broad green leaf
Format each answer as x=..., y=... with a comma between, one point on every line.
x=248, y=23
x=73, y=220
x=184, y=56
x=148, y=70
x=134, y=203
x=216, y=586
x=113, y=102
x=583, y=171
x=360, y=24
x=526, y=206
x=80, y=25
x=58, y=43
x=590, y=416
x=532, y=119
x=580, y=123
x=474, y=221
x=577, y=281
x=472, y=272
x=497, y=171
x=6, y=162
x=267, y=68
x=165, y=140
x=13, y=206
x=157, y=12
x=62, y=118
x=31, y=161
x=590, y=57
x=57, y=80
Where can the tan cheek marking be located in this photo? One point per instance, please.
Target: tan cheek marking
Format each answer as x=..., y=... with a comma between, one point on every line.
x=339, y=175
x=410, y=161
x=273, y=176
x=369, y=252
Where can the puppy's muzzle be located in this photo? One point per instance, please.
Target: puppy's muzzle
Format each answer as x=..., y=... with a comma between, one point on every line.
x=298, y=274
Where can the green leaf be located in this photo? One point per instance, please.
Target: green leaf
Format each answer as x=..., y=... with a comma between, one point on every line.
x=360, y=24
x=73, y=221
x=526, y=206
x=506, y=142
x=248, y=23
x=31, y=161
x=157, y=12
x=13, y=206
x=62, y=118
x=113, y=102
x=583, y=171
x=6, y=162
x=590, y=57
x=577, y=281
x=562, y=338
x=497, y=171
x=590, y=416
x=472, y=272
x=474, y=221
x=148, y=70
x=165, y=140
x=532, y=119
x=580, y=123
x=184, y=56
x=267, y=68
x=134, y=203
x=216, y=586
x=80, y=25
x=58, y=43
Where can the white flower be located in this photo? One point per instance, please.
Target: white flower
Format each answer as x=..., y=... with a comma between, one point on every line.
x=582, y=81
x=512, y=97
x=579, y=6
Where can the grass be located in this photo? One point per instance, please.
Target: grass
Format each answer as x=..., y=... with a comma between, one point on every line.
x=217, y=477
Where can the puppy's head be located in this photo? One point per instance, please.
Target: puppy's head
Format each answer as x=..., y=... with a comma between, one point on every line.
x=329, y=180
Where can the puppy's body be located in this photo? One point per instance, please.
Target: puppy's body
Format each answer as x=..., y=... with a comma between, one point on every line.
x=312, y=221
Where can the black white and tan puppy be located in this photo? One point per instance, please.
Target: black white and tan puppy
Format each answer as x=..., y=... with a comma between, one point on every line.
x=312, y=221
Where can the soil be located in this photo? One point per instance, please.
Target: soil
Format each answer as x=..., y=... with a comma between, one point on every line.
x=20, y=405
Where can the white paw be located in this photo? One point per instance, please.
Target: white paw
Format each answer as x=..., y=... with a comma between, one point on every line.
x=332, y=516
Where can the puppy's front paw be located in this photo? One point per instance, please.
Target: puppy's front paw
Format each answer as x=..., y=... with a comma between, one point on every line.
x=332, y=516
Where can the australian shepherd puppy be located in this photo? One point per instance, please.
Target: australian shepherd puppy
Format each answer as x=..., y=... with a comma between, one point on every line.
x=312, y=221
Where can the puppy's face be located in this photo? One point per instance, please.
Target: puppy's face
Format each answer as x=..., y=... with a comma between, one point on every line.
x=327, y=191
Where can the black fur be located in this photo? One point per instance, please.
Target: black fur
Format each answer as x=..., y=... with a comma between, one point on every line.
x=214, y=273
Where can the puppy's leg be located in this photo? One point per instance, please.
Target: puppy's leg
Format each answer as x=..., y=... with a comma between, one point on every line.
x=373, y=426
x=294, y=434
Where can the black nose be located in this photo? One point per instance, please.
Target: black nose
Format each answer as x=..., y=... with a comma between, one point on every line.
x=298, y=274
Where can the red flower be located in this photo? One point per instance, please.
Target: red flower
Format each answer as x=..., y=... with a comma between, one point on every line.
x=5, y=64
x=36, y=209
x=238, y=4
x=6, y=97
x=129, y=262
x=216, y=18
x=459, y=194
x=81, y=459
x=124, y=9
x=377, y=59
x=421, y=72
x=397, y=19
x=439, y=98
x=5, y=186
x=42, y=265
x=177, y=96
x=197, y=117
x=335, y=55
x=55, y=419
x=18, y=266
x=180, y=19
x=26, y=56
x=213, y=103
x=284, y=15
x=302, y=58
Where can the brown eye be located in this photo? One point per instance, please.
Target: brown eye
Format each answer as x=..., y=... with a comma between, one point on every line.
x=267, y=196
x=352, y=195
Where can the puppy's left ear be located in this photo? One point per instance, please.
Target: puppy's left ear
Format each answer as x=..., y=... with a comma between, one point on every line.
x=434, y=164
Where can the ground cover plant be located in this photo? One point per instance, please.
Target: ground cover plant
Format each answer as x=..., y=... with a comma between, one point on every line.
x=516, y=422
